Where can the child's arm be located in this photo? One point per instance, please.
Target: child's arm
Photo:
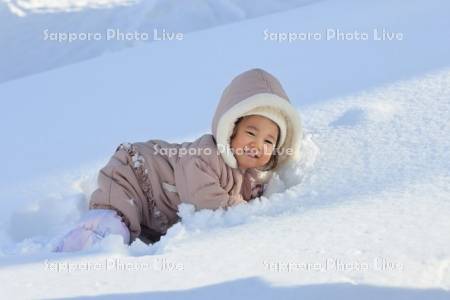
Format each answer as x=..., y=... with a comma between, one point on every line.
x=95, y=225
x=198, y=183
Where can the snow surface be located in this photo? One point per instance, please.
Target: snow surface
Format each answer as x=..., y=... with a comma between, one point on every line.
x=363, y=215
x=25, y=50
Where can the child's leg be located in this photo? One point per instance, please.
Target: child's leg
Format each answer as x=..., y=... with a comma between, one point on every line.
x=120, y=188
x=95, y=225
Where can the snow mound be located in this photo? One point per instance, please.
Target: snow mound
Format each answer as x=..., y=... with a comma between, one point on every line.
x=25, y=50
x=23, y=7
x=357, y=209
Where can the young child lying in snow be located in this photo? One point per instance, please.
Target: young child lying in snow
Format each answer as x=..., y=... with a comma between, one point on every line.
x=255, y=131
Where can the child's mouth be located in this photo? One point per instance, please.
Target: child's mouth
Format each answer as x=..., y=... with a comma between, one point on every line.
x=251, y=155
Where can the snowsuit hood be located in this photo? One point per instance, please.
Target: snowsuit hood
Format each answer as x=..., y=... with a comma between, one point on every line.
x=257, y=92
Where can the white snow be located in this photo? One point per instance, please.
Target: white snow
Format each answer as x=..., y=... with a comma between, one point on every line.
x=23, y=7
x=26, y=23
x=363, y=215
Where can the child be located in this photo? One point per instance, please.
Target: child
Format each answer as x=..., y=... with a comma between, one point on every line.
x=255, y=131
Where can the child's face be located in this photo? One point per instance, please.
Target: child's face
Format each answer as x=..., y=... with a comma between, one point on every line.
x=254, y=141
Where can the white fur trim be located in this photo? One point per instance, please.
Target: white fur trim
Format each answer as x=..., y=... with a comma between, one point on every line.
x=225, y=125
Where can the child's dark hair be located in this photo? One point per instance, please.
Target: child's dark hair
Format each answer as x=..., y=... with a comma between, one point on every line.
x=273, y=162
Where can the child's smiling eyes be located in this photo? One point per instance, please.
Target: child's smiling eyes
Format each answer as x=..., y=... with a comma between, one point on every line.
x=252, y=134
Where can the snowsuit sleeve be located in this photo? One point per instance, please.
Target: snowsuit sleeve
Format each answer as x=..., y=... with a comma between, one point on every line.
x=198, y=183
x=119, y=189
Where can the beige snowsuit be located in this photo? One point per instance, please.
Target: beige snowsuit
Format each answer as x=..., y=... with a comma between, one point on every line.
x=145, y=182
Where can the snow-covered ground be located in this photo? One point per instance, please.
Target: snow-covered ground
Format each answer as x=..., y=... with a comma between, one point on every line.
x=27, y=50
x=364, y=215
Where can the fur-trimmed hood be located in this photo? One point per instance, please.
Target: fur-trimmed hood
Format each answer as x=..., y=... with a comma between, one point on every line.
x=256, y=92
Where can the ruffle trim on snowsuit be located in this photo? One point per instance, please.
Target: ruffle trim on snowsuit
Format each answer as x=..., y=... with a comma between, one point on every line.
x=137, y=163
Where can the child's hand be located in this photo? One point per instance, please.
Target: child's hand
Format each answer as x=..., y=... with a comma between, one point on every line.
x=250, y=188
x=257, y=191
x=95, y=225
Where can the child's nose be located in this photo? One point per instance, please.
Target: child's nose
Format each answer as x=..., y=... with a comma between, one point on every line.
x=257, y=146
